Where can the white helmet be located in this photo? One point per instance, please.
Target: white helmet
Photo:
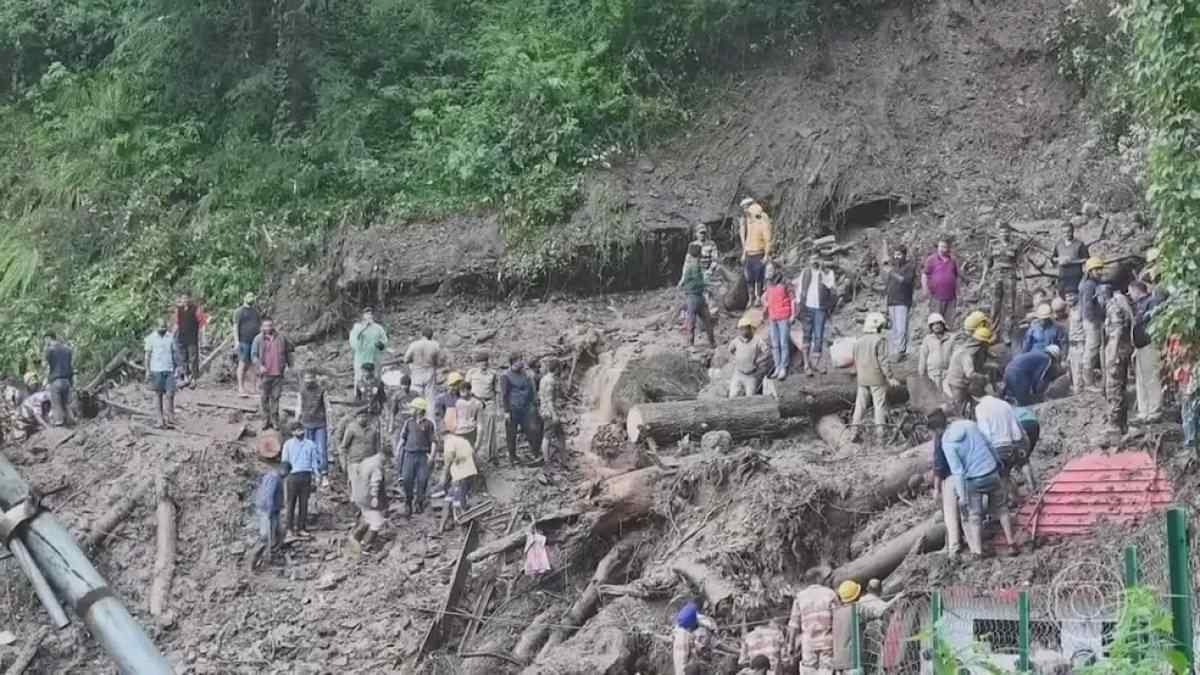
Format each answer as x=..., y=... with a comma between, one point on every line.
x=1053, y=351
x=873, y=322
x=935, y=318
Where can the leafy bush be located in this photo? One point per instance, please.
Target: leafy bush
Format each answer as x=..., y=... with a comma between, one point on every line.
x=154, y=145
x=1093, y=49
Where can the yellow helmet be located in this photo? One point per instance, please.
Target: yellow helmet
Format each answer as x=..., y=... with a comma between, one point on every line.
x=454, y=378
x=849, y=590
x=983, y=334
x=1093, y=263
x=419, y=404
x=975, y=320
x=745, y=322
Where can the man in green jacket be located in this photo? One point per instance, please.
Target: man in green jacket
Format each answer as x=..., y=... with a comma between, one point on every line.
x=367, y=341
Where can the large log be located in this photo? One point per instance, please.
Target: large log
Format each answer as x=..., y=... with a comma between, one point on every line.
x=589, y=600
x=831, y=393
x=715, y=588
x=837, y=435
x=883, y=560
x=515, y=540
x=104, y=526
x=531, y=638
x=873, y=495
x=164, y=556
x=744, y=417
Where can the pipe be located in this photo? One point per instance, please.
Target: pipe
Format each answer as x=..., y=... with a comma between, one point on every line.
x=77, y=582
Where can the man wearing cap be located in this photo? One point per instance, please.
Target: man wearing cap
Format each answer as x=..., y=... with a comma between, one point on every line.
x=873, y=374
x=1044, y=331
x=756, y=248
x=416, y=442
x=750, y=353
x=246, y=325
x=900, y=285
x=1027, y=375
x=307, y=464
x=766, y=641
x=424, y=357
x=485, y=385
x=815, y=294
x=936, y=349
x=810, y=624
x=1070, y=254
x=1118, y=328
x=939, y=279
x=1091, y=308
x=966, y=364
x=367, y=341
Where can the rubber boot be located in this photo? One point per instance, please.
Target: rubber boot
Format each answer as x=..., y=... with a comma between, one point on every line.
x=973, y=533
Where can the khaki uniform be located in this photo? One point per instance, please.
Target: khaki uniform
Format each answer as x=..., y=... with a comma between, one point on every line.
x=1077, y=352
x=485, y=383
x=934, y=357
x=1118, y=329
x=966, y=362
x=871, y=373
x=812, y=619
x=1004, y=290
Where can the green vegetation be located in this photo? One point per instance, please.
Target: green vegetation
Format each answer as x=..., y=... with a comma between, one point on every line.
x=152, y=145
x=1143, y=643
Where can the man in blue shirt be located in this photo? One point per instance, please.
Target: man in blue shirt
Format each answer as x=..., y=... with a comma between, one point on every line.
x=975, y=470
x=268, y=501
x=1044, y=331
x=943, y=484
x=1027, y=375
x=306, y=463
x=164, y=363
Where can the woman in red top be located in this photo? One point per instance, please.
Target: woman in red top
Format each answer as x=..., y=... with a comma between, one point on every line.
x=780, y=312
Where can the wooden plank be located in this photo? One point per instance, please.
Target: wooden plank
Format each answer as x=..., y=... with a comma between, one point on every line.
x=214, y=400
x=458, y=580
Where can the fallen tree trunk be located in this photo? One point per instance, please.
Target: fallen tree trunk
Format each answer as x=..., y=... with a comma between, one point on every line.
x=532, y=637
x=589, y=601
x=113, y=364
x=893, y=479
x=28, y=653
x=105, y=524
x=831, y=393
x=883, y=560
x=837, y=435
x=665, y=423
x=517, y=539
x=713, y=586
x=657, y=377
x=164, y=557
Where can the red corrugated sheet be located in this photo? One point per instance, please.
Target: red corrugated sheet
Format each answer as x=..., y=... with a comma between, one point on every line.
x=1121, y=487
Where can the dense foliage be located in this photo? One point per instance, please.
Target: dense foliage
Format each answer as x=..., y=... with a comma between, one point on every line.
x=1165, y=71
x=149, y=145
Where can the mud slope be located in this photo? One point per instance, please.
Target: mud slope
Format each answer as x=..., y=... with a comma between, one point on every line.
x=947, y=104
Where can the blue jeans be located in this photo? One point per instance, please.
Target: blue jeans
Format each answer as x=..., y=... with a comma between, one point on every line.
x=814, y=329
x=320, y=436
x=416, y=476
x=1190, y=410
x=898, y=332
x=781, y=343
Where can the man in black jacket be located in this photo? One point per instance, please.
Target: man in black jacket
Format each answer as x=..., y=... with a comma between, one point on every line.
x=901, y=282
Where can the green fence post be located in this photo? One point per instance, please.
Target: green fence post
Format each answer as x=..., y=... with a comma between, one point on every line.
x=1178, y=552
x=1023, y=663
x=855, y=639
x=935, y=615
x=1131, y=566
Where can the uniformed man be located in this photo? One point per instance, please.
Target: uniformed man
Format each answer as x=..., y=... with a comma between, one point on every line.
x=810, y=626
x=1118, y=330
x=1002, y=271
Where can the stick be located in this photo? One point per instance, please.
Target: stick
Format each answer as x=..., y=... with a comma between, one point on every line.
x=164, y=557
x=209, y=359
x=104, y=526
x=113, y=363
x=26, y=656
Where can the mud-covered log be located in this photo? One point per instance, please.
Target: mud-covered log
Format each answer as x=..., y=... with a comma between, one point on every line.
x=872, y=495
x=164, y=556
x=883, y=560
x=533, y=636
x=517, y=539
x=715, y=588
x=816, y=397
x=25, y=658
x=837, y=435
x=108, y=522
x=658, y=377
x=589, y=601
x=109, y=368
x=665, y=423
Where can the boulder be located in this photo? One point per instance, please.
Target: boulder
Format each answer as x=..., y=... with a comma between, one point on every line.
x=716, y=441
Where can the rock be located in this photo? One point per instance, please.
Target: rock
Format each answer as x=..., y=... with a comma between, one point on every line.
x=1091, y=209
x=7, y=637
x=414, y=566
x=330, y=580
x=716, y=441
x=646, y=166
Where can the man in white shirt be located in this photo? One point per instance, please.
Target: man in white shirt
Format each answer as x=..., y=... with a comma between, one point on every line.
x=997, y=420
x=815, y=294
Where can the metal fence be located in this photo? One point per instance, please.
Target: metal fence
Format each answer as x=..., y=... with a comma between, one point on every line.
x=1054, y=627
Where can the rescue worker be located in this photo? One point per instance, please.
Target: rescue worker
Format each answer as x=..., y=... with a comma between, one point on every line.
x=1027, y=375
x=1091, y=310
x=416, y=442
x=873, y=374
x=691, y=630
x=367, y=341
x=485, y=384
x=973, y=321
x=810, y=625
x=997, y=420
x=550, y=406
x=60, y=376
x=424, y=357
x=756, y=249
x=766, y=641
x=460, y=464
x=164, y=365
x=943, y=485
x=398, y=407
x=1077, y=341
x=1070, y=255
x=936, y=350
x=517, y=400
x=966, y=363
x=695, y=284
x=750, y=354
x=1118, y=328
x=365, y=469
x=34, y=407
x=975, y=469
x=900, y=286
x=444, y=401
x=466, y=413
x=709, y=257
x=370, y=391
x=1002, y=270
x=1044, y=331
x=1148, y=382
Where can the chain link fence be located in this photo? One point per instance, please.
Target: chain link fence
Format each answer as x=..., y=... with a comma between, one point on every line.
x=1055, y=627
